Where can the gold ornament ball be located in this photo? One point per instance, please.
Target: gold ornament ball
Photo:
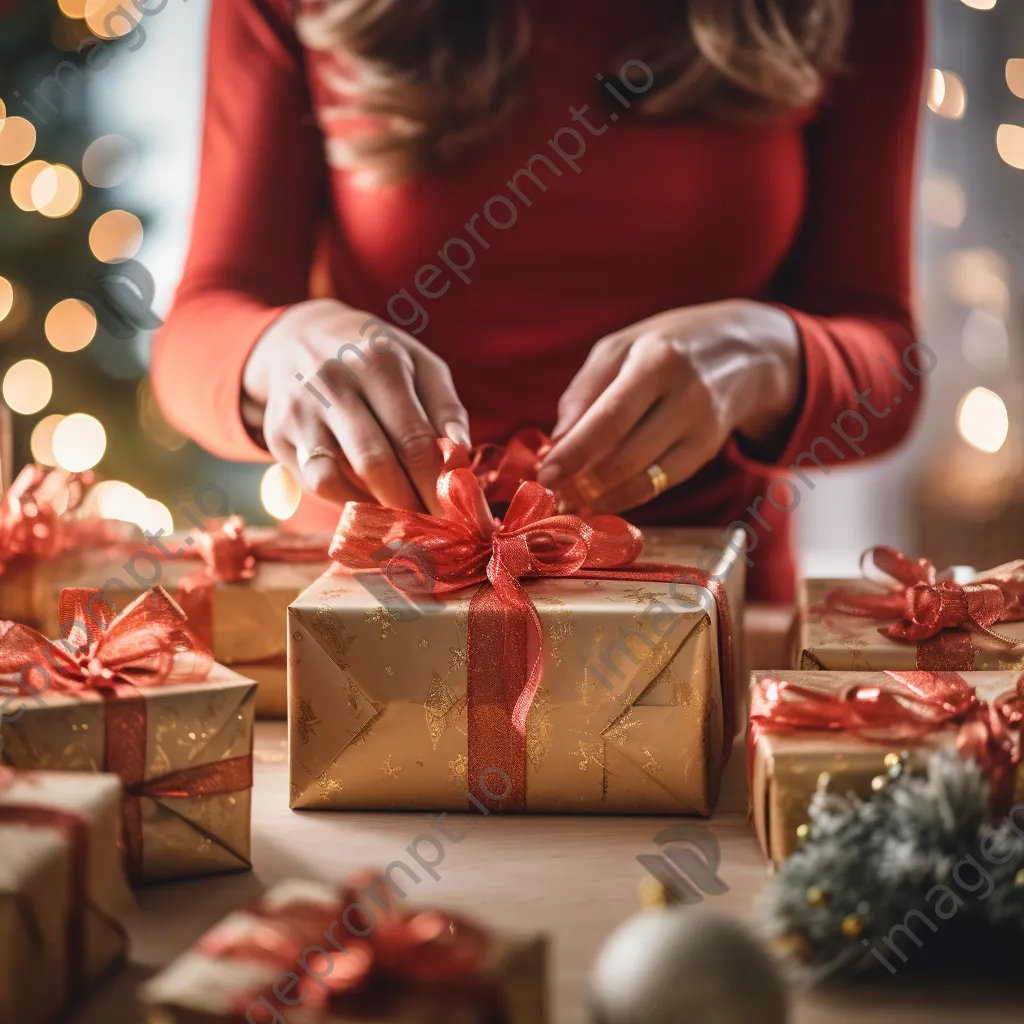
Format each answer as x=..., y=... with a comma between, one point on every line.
x=816, y=896
x=852, y=926
x=878, y=783
x=653, y=895
x=793, y=944
x=892, y=760
x=1018, y=879
x=802, y=832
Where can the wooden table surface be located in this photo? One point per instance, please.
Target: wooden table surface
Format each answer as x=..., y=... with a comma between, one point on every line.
x=574, y=878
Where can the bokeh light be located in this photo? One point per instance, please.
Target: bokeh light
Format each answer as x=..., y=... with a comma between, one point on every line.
x=3, y=112
x=980, y=5
x=977, y=278
x=28, y=386
x=115, y=499
x=115, y=236
x=108, y=161
x=1015, y=76
x=943, y=200
x=947, y=94
x=1010, y=144
x=106, y=20
x=23, y=182
x=41, y=441
x=56, y=191
x=72, y=8
x=984, y=342
x=6, y=297
x=17, y=140
x=982, y=420
x=70, y=325
x=79, y=442
x=279, y=492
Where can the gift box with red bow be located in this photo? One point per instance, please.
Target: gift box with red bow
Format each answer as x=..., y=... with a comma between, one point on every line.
x=518, y=659
x=311, y=954
x=845, y=730
x=907, y=615
x=62, y=890
x=235, y=584
x=137, y=694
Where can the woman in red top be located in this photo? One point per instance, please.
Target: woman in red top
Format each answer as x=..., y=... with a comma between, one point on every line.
x=673, y=234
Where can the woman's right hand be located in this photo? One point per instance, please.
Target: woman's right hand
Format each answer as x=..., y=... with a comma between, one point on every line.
x=388, y=400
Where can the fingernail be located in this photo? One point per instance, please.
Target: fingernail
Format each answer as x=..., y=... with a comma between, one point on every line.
x=458, y=433
x=549, y=474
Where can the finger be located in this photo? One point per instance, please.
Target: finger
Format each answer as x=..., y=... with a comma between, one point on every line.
x=369, y=452
x=436, y=390
x=679, y=463
x=610, y=418
x=323, y=466
x=594, y=376
x=391, y=394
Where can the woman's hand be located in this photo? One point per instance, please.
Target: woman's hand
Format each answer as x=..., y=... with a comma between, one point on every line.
x=668, y=392
x=388, y=399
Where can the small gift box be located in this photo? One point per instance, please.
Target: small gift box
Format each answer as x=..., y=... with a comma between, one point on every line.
x=309, y=954
x=845, y=730
x=956, y=621
x=139, y=696
x=62, y=889
x=236, y=598
x=528, y=663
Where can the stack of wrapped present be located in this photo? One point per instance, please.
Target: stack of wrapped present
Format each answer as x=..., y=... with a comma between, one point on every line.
x=886, y=669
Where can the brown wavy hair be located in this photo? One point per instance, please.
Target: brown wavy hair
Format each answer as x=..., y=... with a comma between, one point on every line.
x=435, y=78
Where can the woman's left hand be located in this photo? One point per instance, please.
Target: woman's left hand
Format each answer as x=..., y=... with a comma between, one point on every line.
x=667, y=393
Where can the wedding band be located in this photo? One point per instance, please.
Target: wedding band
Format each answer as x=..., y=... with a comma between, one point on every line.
x=319, y=452
x=659, y=478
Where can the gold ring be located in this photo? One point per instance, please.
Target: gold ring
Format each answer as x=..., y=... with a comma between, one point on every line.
x=319, y=452
x=659, y=478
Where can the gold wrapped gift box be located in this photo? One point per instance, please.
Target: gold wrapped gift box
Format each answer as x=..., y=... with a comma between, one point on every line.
x=786, y=766
x=629, y=715
x=50, y=928
x=836, y=643
x=249, y=617
x=196, y=736
x=202, y=987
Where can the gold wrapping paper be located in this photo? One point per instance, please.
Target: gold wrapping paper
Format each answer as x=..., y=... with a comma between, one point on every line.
x=249, y=617
x=786, y=766
x=377, y=695
x=187, y=725
x=35, y=893
x=837, y=643
x=196, y=989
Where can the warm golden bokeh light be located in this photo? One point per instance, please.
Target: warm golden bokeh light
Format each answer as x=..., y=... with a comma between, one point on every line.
x=977, y=278
x=108, y=161
x=6, y=297
x=943, y=200
x=980, y=5
x=24, y=181
x=279, y=492
x=72, y=8
x=947, y=94
x=56, y=191
x=70, y=325
x=79, y=442
x=3, y=113
x=984, y=341
x=982, y=420
x=1015, y=76
x=41, y=441
x=27, y=386
x=1010, y=143
x=17, y=140
x=106, y=20
x=115, y=236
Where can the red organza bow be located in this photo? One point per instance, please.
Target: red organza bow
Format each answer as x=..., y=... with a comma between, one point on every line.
x=938, y=614
x=399, y=950
x=908, y=709
x=33, y=511
x=470, y=546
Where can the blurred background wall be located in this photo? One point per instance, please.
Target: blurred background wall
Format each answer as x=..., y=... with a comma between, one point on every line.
x=96, y=188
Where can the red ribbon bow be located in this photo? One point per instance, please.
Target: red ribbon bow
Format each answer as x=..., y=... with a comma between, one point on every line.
x=400, y=952
x=470, y=546
x=938, y=615
x=911, y=707
x=230, y=556
x=111, y=657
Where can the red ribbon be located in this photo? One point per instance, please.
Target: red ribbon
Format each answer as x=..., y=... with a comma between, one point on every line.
x=231, y=557
x=112, y=658
x=938, y=615
x=910, y=707
x=426, y=952
x=470, y=546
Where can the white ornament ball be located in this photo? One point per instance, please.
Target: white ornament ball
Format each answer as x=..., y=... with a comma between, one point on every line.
x=682, y=966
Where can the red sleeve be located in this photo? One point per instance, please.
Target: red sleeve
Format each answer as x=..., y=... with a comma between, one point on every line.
x=254, y=225
x=848, y=284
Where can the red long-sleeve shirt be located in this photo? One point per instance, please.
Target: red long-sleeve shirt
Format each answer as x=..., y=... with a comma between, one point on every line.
x=812, y=212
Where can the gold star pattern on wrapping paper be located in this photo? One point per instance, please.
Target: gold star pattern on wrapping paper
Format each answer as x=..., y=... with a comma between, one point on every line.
x=458, y=768
x=643, y=596
x=337, y=640
x=388, y=770
x=443, y=708
x=590, y=752
x=539, y=728
x=382, y=619
x=593, y=584
x=306, y=720
x=845, y=641
x=389, y=670
x=424, y=643
x=559, y=624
